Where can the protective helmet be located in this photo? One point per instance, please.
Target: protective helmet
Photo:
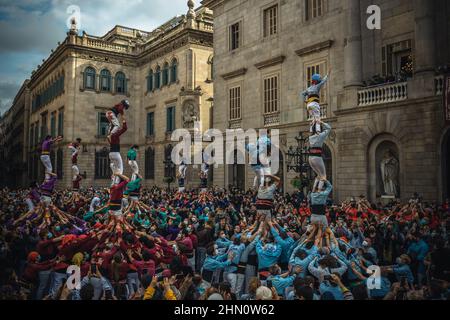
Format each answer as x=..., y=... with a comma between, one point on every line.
x=316, y=77
x=126, y=104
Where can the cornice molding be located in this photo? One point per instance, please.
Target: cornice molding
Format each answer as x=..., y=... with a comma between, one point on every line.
x=271, y=62
x=315, y=48
x=234, y=74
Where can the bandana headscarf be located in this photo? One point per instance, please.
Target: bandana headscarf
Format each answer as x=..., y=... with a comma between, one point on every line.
x=77, y=259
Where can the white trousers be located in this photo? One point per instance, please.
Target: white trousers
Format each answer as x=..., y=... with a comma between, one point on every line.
x=134, y=169
x=114, y=124
x=116, y=165
x=318, y=166
x=75, y=171
x=47, y=162
x=30, y=204
x=259, y=176
x=314, y=113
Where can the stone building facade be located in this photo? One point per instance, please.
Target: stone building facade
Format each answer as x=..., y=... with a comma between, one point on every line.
x=165, y=74
x=384, y=93
x=13, y=134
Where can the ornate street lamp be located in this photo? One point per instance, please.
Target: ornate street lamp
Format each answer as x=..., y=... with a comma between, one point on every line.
x=169, y=167
x=297, y=161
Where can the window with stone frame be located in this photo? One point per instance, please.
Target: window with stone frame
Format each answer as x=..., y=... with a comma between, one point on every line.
x=317, y=68
x=105, y=80
x=170, y=125
x=397, y=60
x=150, y=163
x=165, y=74
x=174, y=71
x=53, y=124
x=150, y=124
x=315, y=8
x=235, y=103
x=235, y=36
x=31, y=136
x=44, y=128
x=158, y=77
x=102, y=169
x=102, y=124
x=270, y=24
x=121, y=83
x=89, y=78
x=271, y=94
x=61, y=122
x=150, y=81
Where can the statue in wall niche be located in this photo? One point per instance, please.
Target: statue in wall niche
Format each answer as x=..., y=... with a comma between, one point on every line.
x=190, y=115
x=389, y=173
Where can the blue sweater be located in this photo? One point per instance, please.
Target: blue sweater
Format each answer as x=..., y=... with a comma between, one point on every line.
x=267, y=255
x=280, y=284
x=213, y=263
x=285, y=244
x=320, y=198
x=295, y=261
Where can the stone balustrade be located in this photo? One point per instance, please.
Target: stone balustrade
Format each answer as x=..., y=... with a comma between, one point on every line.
x=383, y=94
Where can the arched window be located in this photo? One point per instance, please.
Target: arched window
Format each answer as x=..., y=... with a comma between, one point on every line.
x=150, y=81
x=158, y=78
x=165, y=75
x=150, y=163
x=211, y=68
x=102, y=170
x=121, y=82
x=174, y=71
x=105, y=80
x=89, y=78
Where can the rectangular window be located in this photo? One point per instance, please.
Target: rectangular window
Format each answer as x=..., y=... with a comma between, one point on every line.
x=44, y=128
x=53, y=124
x=36, y=133
x=235, y=103
x=31, y=137
x=235, y=36
x=315, y=8
x=271, y=21
x=397, y=60
x=170, y=119
x=61, y=122
x=271, y=94
x=103, y=124
x=150, y=124
x=317, y=68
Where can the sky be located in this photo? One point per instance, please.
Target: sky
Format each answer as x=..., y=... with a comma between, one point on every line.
x=30, y=29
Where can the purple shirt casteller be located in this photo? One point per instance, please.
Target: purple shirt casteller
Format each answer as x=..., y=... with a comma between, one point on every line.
x=34, y=195
x=46, y=146
x=48, y=186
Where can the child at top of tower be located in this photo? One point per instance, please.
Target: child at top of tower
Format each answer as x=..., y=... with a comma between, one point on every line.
x=311, y=97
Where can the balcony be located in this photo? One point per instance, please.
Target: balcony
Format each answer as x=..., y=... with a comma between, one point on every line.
x=271, y=119
x=439, y=85
x=383, y=94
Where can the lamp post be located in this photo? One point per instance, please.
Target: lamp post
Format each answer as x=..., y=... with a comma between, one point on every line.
x=297, y=160
x=169, y=166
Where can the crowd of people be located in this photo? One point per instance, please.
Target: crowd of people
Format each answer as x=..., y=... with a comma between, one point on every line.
x=217, y=245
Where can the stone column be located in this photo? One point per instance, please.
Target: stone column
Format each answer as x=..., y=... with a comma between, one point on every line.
x=425, y=42
x=353, y=45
